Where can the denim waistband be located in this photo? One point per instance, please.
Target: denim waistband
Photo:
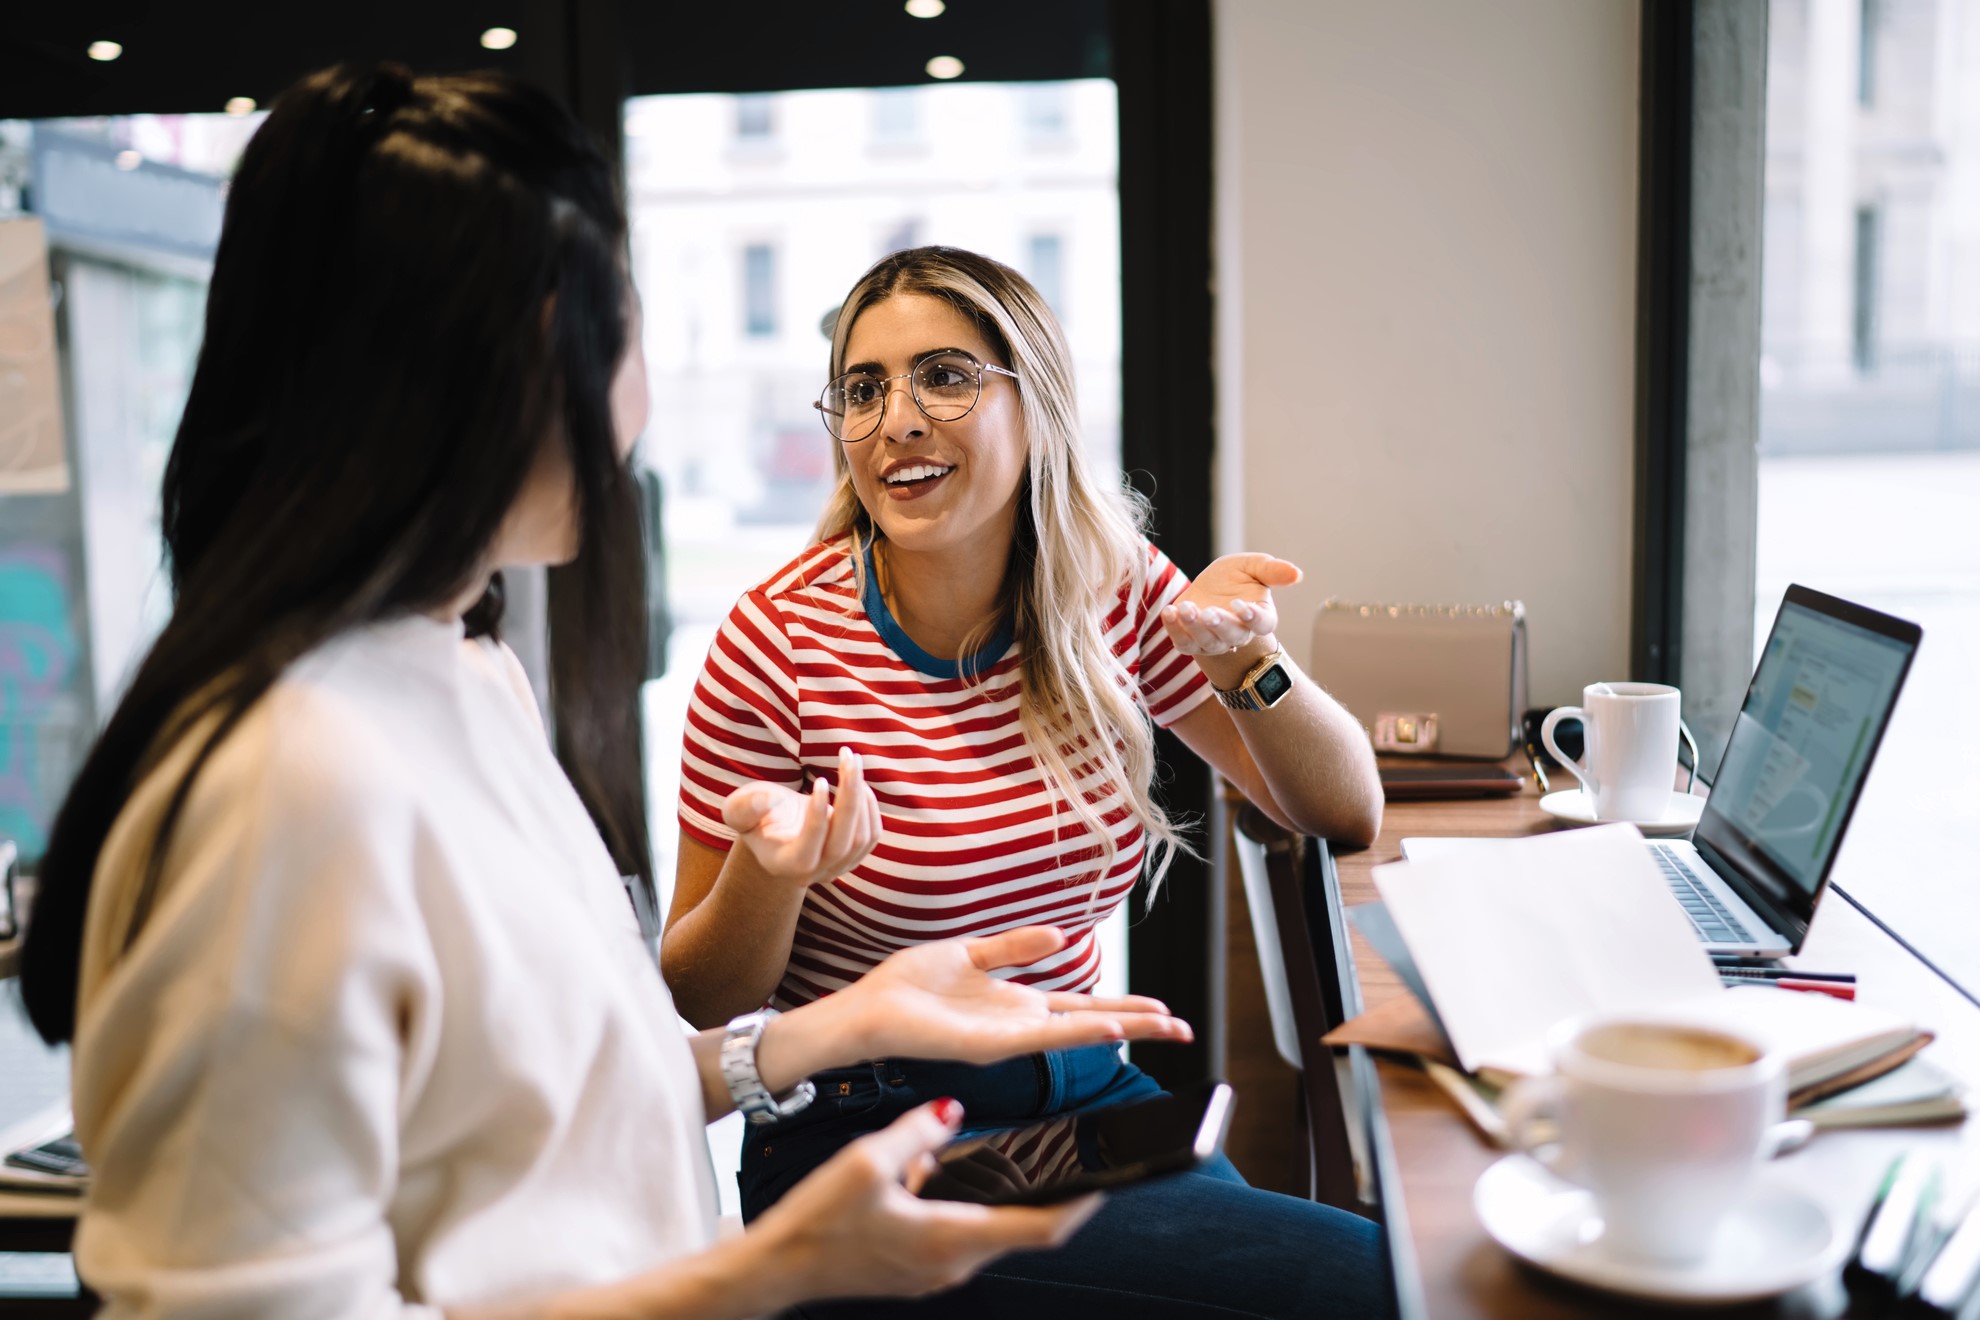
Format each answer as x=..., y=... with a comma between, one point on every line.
x=867, y=1097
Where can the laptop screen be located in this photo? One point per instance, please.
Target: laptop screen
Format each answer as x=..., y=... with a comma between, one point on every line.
x=1803, y=741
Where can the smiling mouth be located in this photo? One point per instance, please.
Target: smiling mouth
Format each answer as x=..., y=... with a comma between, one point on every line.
x=921, y=474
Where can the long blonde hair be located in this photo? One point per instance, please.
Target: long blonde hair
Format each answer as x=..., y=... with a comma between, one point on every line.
x=1078, y=540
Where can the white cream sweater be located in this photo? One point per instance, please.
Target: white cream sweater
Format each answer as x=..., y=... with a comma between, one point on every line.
x=389, y=1040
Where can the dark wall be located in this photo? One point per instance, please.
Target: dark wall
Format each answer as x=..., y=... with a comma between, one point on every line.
x=180, y=58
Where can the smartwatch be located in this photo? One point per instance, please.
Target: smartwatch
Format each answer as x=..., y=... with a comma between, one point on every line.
x=1265, y=686
x=746, y=1086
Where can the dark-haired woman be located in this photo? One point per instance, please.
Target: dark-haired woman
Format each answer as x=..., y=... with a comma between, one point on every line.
x=363, y=1022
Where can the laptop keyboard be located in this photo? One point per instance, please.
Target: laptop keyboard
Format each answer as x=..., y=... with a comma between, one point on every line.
x=1709, y=917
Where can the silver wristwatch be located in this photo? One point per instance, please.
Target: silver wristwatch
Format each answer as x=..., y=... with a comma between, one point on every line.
x=746, y=1086
x=1264, y=686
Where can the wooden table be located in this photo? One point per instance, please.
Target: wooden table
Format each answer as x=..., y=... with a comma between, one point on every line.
x=1428, y=1157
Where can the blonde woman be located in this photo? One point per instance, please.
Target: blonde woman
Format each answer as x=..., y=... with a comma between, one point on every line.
x=936, y=722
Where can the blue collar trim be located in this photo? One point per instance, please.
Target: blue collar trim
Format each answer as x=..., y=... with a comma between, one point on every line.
x=903, y=646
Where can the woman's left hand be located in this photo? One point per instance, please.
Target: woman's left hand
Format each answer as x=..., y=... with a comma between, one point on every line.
x=939, y=1001
x=1229, y=606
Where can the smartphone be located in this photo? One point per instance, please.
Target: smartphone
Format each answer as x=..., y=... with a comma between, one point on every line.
x=1443, y=780
x=1040, y=1165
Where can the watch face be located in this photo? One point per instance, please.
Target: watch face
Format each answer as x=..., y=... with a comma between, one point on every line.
x=1273, y=684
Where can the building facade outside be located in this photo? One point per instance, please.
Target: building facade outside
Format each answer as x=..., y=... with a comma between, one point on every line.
x=1870, y=318
x=1869, y=474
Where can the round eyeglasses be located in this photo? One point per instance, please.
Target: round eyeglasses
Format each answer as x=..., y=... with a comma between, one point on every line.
x=944, y=384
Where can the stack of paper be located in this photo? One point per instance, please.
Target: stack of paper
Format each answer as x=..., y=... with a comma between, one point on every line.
x=1501, y=945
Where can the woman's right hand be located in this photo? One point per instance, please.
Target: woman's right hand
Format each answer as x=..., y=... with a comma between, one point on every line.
x=856, y=1228
x=808, y=838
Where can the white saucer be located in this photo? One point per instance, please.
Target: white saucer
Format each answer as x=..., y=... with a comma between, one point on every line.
x=1773, y=1242
x=1680, y=813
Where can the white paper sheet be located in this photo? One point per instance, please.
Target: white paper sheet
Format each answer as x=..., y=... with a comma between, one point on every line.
x=1514, y=940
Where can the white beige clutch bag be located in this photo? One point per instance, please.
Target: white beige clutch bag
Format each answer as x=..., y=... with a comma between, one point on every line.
x=1427, y=680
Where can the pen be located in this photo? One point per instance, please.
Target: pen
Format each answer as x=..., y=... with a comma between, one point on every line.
x=1785, y=973
x=1895, y=1229
x=1835, y=989
x=1539, y=775
x=1952, y=1276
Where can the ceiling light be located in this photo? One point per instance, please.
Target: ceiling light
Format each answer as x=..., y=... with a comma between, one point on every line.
x=240, y=105
x=105, y=50
x=945, y=67
x=498, y=38
x=926, y=8
x=129, y=160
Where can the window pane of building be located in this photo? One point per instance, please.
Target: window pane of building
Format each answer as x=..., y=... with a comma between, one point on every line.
x=896, y=116
x=1044, y=258
x=759, y=290
x=1870, y=408
x=898, y=237
x=756, y=117
x=1047, y=110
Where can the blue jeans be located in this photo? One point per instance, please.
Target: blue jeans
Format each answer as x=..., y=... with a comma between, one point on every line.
x=1195, y=1245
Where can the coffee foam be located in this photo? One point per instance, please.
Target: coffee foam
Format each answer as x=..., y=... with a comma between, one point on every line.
x=1666, y=1048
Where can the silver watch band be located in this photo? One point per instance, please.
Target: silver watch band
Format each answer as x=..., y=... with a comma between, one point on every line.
x=746, y=1086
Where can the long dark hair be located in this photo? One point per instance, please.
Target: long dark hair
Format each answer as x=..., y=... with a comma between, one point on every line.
x=420, y=282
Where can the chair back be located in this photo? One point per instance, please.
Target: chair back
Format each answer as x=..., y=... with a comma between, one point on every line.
x=1252, y=865
x=1304, y=963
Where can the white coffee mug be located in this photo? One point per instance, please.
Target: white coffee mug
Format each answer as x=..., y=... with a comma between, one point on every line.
x=1663, y=1123
x=1629, y=735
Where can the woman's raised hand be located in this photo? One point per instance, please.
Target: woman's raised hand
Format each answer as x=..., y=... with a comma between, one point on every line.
x=808, y=838
x=940, y=1001
x=1229, y=605
x=855, y=1227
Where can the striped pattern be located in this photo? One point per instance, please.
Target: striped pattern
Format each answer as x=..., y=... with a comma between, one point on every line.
x=973, y=841
x=1043, y=1153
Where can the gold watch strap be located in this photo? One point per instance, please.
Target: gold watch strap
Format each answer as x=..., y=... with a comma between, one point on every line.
x=1246, y=696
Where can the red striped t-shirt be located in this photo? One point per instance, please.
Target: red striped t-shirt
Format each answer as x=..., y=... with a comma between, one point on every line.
x=973, y=840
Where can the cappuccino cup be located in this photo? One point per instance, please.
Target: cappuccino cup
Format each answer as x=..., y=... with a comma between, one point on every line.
x=1664, y=1124
x=1629, y=740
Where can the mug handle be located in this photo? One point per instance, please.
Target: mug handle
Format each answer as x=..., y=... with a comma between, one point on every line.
x=1531, y=1108
x=1579, y=769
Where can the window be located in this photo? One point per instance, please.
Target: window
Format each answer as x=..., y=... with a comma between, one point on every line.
x=896, y=116
x=744, y=262
x=1869, y=447
x=1046, y=111
x=759, y=291
x=906, y=234
x=1044, y=256
x=1866, y=54
x=1863, y=288
x=756, y=119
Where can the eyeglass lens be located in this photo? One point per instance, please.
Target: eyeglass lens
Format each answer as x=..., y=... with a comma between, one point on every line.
x=944, y=386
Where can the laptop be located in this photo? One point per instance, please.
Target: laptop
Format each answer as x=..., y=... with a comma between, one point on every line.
x=1800, y=750
x=1794, y=767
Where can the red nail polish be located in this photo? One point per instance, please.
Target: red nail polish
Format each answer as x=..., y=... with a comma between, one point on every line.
x=949, y=1110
